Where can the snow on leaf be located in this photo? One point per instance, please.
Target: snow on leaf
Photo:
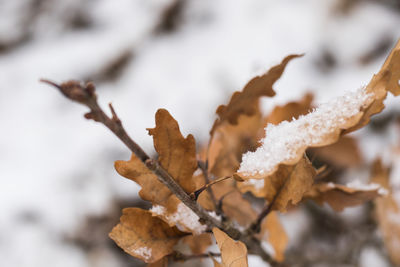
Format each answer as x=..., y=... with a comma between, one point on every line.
x=287, y=185
x=343, y=196
x=144, y=236
x=183, y=218
x=263, y=187
x=233, y=253
x=229, y=142
x=285, y=143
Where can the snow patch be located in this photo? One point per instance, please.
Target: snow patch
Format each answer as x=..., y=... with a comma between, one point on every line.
x=184, y=218
x=358, y=185
x=215, y=215
x=284, y=141
x=143, y=252
x=330, y=185
x=371, y=257
x=268, y=248
x=257, y=183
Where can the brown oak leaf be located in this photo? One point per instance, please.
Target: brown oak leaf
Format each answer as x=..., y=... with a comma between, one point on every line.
x=176, y=154
x=246, y=102
x=233, y=253
x=198, y=243
x=286, y=143
x=342, y=154
x=286, y=186
x=340, y=196
x=229, y=142
x=152, y=189
x=238, y=208
x=273, y=232
x=386, y=80
x=144, y=236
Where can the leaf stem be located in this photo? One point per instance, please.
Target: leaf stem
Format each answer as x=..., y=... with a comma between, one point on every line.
x=204, y=168
x=195, y=195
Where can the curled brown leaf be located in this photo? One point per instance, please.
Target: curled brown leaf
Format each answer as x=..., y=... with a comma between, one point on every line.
x=340, y=197
x=246, y=102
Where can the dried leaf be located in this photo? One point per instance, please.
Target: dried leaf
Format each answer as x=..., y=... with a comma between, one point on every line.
x=183, y=218
x=287, y=184
x=246, y=102
x=343, y=154
x=198, y=243
x=229, y=142
x=239, y=209
x=176, y=154
x=273, y=232
x=341, y=196
x=233, y=253
x=206, y=201
x=152, y=189
x=144, y=236
x=165, y=204
x=387, y=213
x=286, y=143
x=387, y=80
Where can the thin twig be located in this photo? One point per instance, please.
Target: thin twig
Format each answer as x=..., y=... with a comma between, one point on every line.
x=196, y=193
x=255, y=227
x=86, y=95
x=204, y=168
x=175, y=188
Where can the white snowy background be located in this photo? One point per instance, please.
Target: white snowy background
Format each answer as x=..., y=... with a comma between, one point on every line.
x=56, y=168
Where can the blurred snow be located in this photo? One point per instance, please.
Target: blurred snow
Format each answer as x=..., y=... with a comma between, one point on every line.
x=57, y=168
x=370, y=257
